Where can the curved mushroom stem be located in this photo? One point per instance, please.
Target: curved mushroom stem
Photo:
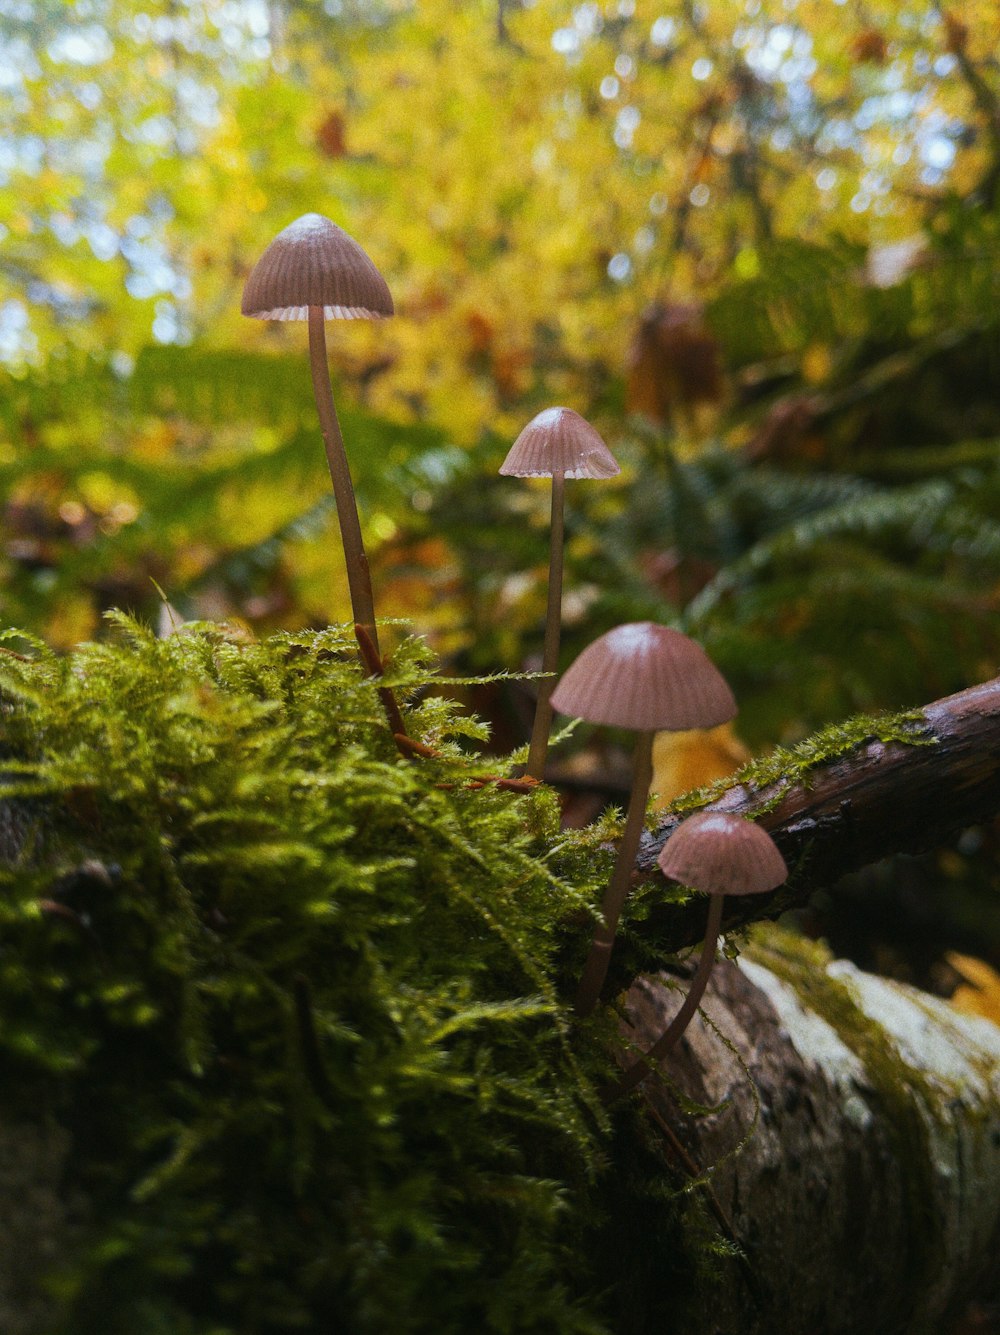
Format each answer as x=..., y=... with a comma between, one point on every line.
x=668, y=1039
x=596, y=968
x=550, y=652
x=358, y=575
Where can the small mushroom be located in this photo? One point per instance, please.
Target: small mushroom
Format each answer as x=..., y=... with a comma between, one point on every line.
x=720, y=854
x=314, y=271
x=558, y=443
x=646, y=678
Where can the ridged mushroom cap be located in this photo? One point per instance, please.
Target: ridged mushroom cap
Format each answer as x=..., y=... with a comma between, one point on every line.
x=559, y=440
x=722, y=854
x=645, y=677
x=313, y=262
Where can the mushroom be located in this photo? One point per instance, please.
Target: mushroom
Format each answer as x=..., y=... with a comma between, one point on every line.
x=646, y=678
x=314, y=271
x=721, y=854
x=558, y=443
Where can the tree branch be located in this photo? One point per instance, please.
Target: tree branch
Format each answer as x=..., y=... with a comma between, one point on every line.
x=882, y=798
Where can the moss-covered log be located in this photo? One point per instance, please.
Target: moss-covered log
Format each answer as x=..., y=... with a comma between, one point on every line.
x=853, y=1144
x=285, y=1030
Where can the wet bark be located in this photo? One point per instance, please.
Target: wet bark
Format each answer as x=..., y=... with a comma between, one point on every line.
x=854, y=1149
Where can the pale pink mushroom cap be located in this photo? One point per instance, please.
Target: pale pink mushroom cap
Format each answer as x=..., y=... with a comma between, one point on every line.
x=645, y=677
x=313, y=262
x=559, y=440
x=722, y=854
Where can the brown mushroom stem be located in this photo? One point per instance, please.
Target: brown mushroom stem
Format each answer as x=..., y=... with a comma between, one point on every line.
x=550, y=651
x=670, y=1036
x=372, y=661
x=596, y=968
x=358, y=575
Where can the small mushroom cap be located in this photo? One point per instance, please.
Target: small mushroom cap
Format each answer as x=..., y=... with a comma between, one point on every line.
x=722, y=854
x=313, y=262
x=645, y=677
x=559, y=440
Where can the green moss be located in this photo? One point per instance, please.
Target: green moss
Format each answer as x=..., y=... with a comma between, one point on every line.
x=300, y=1004
x=799, y=956
x=297, y=1001
x=770, y=777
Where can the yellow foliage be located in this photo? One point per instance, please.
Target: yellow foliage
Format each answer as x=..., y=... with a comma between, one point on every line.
x=817, y=363
x=543, y=181
x=979, y=992
x=686, y=760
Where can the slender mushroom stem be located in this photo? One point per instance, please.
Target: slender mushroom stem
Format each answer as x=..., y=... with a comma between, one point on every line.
x=550, y=651
x=358, y=575
x=372, y=661
x=668, y=1039
x=359, y=580
x=596, y=968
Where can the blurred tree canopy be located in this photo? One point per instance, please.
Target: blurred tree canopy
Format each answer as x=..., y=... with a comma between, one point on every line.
x=755, y=242
x=528, y=175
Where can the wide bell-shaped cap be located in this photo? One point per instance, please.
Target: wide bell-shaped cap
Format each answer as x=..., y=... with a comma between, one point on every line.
x=559, y=440
x=313, y=262
x=722, y=854
x=645, y=677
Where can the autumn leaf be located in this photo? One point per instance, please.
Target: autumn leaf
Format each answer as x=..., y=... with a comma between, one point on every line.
x=979, y=991
x=691, y=759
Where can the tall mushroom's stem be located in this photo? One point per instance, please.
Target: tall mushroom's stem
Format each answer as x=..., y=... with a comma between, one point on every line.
x=668, y=1039
x=358, y=575
x=550, y=652
x=359, y=580
x=596, y=968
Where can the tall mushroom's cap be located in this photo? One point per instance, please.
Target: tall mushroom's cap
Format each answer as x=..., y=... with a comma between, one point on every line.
x=313, y=262
x=559, y=440
x=645, y=677
x=722, y=854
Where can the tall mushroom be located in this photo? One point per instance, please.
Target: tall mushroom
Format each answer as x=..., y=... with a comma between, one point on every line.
x=558, y=443
x=314, y=271
x=646, y=678
x=720, y=854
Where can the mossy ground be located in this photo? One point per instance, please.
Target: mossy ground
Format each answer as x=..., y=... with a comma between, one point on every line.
x=302, y=1005
x=296, y=999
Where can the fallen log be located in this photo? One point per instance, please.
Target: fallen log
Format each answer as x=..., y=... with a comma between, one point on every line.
x=852, y=1143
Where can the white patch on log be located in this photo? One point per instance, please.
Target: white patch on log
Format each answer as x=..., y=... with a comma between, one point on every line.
x=816, y=1042
x=956, y=1061
x=868, y=1194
